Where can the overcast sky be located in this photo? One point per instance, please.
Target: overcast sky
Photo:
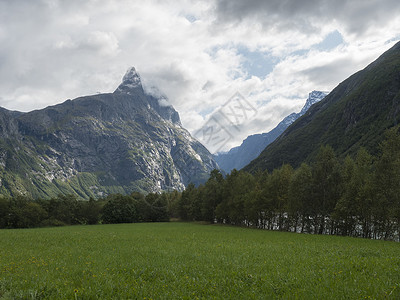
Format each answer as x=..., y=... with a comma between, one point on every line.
x=198, y=53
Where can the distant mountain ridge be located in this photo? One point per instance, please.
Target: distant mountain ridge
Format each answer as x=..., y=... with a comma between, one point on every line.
x=253, y=145
x=355, y=114
x=117, y=142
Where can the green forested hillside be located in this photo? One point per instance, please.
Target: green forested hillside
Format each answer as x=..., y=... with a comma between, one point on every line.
x=354, y=114
x=356, y=197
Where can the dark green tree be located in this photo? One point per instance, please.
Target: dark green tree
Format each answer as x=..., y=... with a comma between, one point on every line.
x=89, y=212
x=253, y=205
x=24, y=213
x=235, y=194
x=363, y=177
x=155, y=208
x=387, y=186
x=279, y=183
x=300, y=205
x=346, y=210
x=326, y=187
x=186, y=203
x=63, y=210
x=4, y=211
x=119, y=209
x=173, y=199
x=212, y=195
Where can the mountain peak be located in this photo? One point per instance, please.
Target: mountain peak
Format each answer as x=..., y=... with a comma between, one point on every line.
x=95, y=145
x=131, y=77
x=253, y=145
x=313, y=97
x=131, y=80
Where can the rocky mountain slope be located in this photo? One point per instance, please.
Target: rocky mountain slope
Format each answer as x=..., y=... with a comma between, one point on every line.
x=253, y=145
x=120, y=142
x=356, y=113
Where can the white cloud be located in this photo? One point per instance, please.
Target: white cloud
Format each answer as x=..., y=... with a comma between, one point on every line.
x=55, y=50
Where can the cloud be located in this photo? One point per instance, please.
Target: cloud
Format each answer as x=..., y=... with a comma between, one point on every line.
x=197, y=53
x=356, y=16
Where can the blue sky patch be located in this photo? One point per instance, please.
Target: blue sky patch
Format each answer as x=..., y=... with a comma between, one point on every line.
x=331, y=41
x=257, y=63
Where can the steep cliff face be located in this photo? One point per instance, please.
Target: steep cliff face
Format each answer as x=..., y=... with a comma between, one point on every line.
x=95, y=145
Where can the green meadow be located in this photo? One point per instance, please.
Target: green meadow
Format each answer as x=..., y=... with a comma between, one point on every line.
x=193, y=261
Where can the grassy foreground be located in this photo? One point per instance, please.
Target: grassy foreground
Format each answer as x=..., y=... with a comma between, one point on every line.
x=189, y=261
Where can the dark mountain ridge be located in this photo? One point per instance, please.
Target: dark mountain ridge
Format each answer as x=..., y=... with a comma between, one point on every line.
x=356, y=113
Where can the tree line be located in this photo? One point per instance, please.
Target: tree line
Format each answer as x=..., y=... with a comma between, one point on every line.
x=23, y=212
x=358, y=197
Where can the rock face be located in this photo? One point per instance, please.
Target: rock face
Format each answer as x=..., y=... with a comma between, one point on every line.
x=95, y=145
x=355, y=114
x=253, y=145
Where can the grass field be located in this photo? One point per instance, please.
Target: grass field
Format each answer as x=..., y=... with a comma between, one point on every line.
x=189, y=261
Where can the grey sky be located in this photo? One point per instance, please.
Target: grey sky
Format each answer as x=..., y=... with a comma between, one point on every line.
x=356, y=16
x=198, y=53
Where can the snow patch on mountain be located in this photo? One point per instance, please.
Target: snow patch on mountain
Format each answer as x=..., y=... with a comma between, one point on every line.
x=130, y=81
x=313, y=97
x=253, y=145
x=131, y=78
